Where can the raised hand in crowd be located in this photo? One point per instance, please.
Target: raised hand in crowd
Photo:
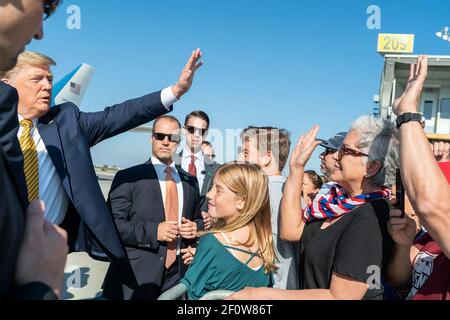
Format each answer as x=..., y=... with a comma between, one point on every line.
x=188, y=229
x=187, y=75
x=441, y=151
x=291, y=219
x=410, y=99
x=424, y=182
x=167, y=231
x=43, y=253
x=304, y=149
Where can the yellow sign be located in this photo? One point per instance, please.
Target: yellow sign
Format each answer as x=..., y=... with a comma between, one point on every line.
x=395, y=43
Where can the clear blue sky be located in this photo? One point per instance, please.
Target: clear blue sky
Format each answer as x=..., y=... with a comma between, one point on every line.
x=285, y=63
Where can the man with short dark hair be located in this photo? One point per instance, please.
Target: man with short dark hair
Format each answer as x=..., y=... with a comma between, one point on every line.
x=196, y=126
x=156, y=210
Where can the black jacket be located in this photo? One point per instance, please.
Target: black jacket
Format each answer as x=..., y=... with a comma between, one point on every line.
x=136, y=203
x=13, y=202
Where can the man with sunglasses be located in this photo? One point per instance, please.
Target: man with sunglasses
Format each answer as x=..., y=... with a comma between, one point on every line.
x=20, y=21
x=156, y=209
x=196, y=126
x=31, y=248
x=328, y=165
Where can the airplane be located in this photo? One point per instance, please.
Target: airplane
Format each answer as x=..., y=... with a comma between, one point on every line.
x=73, y=87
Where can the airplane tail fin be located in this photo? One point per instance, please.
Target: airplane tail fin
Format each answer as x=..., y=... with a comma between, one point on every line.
x=73, y=86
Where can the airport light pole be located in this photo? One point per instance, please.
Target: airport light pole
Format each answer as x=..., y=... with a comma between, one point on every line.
x=444, y=34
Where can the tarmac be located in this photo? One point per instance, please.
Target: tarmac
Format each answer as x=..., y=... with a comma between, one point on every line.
x=83, y=276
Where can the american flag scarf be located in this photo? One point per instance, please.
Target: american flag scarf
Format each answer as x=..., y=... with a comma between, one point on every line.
x=333, y=201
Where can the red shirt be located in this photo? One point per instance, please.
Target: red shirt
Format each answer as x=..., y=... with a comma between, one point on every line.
x=431, y=272
x=445, y=167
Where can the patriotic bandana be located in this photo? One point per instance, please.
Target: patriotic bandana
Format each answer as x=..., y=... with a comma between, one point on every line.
x=333, y=201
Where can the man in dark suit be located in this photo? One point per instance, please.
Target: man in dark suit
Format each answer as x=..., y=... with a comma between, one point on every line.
x=156, y=209
x=57, y=161
x=32, y=251
x=25, y=247
x=196, y=126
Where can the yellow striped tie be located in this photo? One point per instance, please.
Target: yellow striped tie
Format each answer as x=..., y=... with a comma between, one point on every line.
x=31, y=165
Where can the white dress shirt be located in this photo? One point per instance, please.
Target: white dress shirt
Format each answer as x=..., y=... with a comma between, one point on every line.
x=160, y=168
x=199, y=164
x=51, y=190
x=160, y=171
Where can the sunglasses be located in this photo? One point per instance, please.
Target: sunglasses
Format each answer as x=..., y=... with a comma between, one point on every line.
x=50, y=7
x=162, y=136
x=328, y=151
x=193, y=130
x=344, y=150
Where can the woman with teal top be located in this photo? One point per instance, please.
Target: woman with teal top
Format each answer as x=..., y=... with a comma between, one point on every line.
x=238, y=251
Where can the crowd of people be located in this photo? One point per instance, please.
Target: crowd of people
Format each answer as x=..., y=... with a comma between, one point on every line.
x=183, y=218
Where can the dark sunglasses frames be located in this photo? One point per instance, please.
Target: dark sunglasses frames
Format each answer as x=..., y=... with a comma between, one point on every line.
x=192, y=130
x=161, y=136
x=50, y=7
x=328, y=151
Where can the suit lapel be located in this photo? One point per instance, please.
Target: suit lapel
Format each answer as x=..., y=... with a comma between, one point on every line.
x=49, y=132
x=186, y=186
x=207, y=178
x=154, y=185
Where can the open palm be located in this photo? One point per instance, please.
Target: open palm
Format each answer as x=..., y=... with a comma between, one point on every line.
x=304, y=149
x=409, y=101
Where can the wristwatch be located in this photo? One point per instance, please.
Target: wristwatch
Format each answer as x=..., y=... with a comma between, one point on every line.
x=409, y=116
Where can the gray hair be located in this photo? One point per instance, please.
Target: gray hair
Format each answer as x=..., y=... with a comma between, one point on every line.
x=380, y=139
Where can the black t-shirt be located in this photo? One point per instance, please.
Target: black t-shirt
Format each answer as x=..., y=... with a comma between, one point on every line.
x=350, y=247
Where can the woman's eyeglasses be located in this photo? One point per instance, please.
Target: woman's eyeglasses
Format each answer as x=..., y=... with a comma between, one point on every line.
x=161, y=136
x=50, y=7
x=344, y=150
x=193, y=130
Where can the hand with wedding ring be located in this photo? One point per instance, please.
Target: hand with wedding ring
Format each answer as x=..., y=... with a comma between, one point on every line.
x=188, y=229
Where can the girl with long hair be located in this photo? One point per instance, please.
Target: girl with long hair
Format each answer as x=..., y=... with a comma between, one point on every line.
x=238, y=251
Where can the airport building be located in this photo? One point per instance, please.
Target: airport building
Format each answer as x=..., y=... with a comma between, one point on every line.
x=435, y=100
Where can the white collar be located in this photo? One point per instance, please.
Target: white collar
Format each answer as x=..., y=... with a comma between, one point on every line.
x=35, y=121
x=187, y=153
x=157, y=163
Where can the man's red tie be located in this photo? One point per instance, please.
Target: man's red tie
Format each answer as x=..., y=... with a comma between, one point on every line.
x=192, y=168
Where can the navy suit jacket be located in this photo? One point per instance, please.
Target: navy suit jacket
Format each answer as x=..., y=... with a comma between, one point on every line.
x=68, y=135
x=13, y=202
x=137, y=206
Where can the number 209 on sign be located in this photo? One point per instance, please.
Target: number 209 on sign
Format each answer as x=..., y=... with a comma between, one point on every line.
x=396, y=43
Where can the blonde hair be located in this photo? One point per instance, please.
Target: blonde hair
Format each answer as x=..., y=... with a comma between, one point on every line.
x=28, y=58
x=249, y=182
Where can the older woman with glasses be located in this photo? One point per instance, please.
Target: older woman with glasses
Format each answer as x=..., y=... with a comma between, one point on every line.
x=344, y=242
